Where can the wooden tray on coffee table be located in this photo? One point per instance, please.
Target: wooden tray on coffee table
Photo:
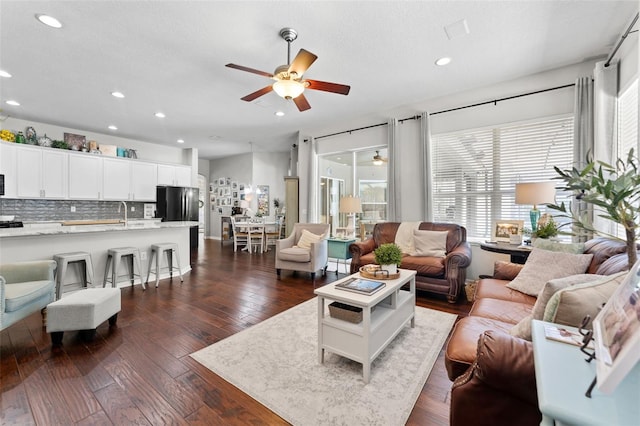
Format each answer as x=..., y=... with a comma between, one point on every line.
x=374, y=272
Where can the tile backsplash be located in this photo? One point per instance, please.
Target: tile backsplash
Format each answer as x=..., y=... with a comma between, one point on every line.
x=53, y=210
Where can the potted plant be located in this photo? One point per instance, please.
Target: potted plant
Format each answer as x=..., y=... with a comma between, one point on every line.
x=276, y=205
x=388, y=256
x=547, y=228
x=613, y=189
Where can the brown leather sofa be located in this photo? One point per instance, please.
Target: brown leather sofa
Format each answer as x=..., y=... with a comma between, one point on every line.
x=434, y=274
x=493, y=371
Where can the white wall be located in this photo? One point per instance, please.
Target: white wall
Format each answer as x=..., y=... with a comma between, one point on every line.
x=145, y=150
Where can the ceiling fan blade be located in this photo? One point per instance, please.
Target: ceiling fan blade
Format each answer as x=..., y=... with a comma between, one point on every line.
x=301, y=102
x=328, y=87
x=302, y=62
x=251, y=70
x=257, y=93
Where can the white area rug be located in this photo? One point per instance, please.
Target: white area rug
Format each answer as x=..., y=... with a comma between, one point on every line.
x=276, y=363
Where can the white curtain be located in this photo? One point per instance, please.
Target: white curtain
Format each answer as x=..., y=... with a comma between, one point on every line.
x=583, y=137
x=394, y=213
x=605, y=95
x=313, y=215
x=425, y=164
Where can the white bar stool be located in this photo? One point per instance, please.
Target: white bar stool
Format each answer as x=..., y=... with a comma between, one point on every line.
x=156, y=251
x=64, y=259
x=114, y=255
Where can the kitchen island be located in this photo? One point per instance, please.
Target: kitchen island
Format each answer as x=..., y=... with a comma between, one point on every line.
x=42, y=241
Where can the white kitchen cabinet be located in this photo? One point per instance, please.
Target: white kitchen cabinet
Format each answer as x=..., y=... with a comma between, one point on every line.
x=85, y=177
x=174, y=175
x=116, y=179
x=144, y=179
x=41, y=173
x=8, y=169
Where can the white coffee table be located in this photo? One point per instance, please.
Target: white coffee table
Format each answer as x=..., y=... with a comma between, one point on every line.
x=363, y=342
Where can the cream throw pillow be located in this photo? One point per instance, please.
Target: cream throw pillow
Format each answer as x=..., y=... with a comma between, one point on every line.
x=430, y=243
x=544, y=265
x=523, y=328
x=570, y=305
x=307, y=238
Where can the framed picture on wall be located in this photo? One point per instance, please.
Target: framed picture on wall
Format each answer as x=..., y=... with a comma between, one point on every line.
x=222, y=181
x=234, y=195
x=503, y=229
x=234, y=185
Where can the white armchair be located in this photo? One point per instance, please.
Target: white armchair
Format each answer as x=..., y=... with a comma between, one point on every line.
x=290, y=256
x=25, y=287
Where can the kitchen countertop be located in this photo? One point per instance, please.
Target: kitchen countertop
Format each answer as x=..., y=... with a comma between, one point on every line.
x=56, y=228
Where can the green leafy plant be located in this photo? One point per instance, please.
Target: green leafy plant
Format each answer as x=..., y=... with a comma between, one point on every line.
x=276, y=203
x=546, y=228
x=388, y=254
x=59, y=145
x=613, y=189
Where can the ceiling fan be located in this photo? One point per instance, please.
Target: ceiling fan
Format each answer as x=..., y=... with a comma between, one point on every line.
x=289, y=83
x=378, y=159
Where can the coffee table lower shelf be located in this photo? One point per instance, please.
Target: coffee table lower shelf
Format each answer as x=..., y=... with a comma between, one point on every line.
x=385, y=314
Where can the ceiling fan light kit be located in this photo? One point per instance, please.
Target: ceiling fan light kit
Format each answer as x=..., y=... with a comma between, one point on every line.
x=288, y=78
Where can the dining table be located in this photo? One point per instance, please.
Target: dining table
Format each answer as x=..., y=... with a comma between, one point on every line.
x=256, y=229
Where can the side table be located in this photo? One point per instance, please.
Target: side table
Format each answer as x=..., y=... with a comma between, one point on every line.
x=562, y=378
x=518, y=254
x=338, y=249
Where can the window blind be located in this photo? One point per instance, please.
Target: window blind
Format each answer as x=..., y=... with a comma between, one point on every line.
x=475, y=171
x=627, y=129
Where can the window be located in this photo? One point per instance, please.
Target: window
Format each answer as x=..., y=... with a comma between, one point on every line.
x=627, y=129
x=475, y=171
x=373, y=197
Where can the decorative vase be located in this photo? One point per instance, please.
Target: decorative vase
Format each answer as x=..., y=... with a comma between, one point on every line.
x=392, y=269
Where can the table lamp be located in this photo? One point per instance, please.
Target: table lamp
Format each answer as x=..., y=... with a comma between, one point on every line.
x=244, y=205
x=534, y=193
x=350, y=205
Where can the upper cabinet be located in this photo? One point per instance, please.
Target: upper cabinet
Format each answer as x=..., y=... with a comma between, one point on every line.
x=85, y=177
x=41, y=173
x=144, y=179
x=36, y=172
x=174, y=175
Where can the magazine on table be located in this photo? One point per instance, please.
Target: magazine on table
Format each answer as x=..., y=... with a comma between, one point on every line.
x=560, y=334
x=361, y=285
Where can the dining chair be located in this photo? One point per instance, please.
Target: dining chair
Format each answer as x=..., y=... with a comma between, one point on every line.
x=272, y=234
x=240, y=235
x=256, y=234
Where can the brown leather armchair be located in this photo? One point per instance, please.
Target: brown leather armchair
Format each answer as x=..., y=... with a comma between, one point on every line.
x=499, y=388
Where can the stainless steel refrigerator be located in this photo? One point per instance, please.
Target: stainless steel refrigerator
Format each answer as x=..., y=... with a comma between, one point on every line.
x=177, y=203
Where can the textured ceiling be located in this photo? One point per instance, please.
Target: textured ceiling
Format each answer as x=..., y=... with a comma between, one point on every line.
x=169, y=56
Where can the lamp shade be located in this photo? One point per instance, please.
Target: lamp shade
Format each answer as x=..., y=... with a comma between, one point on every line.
x=533, y=193
x=244, y=204
x=350, y=205
x=288, y=89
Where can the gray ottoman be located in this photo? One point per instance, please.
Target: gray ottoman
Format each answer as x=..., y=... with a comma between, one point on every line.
x=83, y=310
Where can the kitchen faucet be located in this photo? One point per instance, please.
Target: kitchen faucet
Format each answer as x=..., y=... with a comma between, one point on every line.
x=125, y=211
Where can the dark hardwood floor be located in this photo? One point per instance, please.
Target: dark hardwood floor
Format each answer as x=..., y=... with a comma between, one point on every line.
x=140, y=372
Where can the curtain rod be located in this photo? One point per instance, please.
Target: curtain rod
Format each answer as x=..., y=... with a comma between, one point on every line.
x=417, y=117
x=622, y=39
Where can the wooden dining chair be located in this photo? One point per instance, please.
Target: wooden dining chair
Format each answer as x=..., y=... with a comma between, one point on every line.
x=240, y=235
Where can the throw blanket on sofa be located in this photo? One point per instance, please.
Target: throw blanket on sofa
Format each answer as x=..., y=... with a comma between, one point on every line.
x=404, y=237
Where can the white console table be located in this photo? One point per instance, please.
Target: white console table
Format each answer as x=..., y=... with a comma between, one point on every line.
x=562, y=378
x=363, y=342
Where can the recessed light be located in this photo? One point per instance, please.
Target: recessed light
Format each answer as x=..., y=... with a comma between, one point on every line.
x=12, y=102
x=117, y=94
x=112, y=127
x=49, y=20
x=279, y=113
x=4, y=74
x=443, y=61
x=180, y=140
x=160, y=115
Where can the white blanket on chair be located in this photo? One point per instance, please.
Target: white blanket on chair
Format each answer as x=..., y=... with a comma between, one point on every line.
x=404, y=237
